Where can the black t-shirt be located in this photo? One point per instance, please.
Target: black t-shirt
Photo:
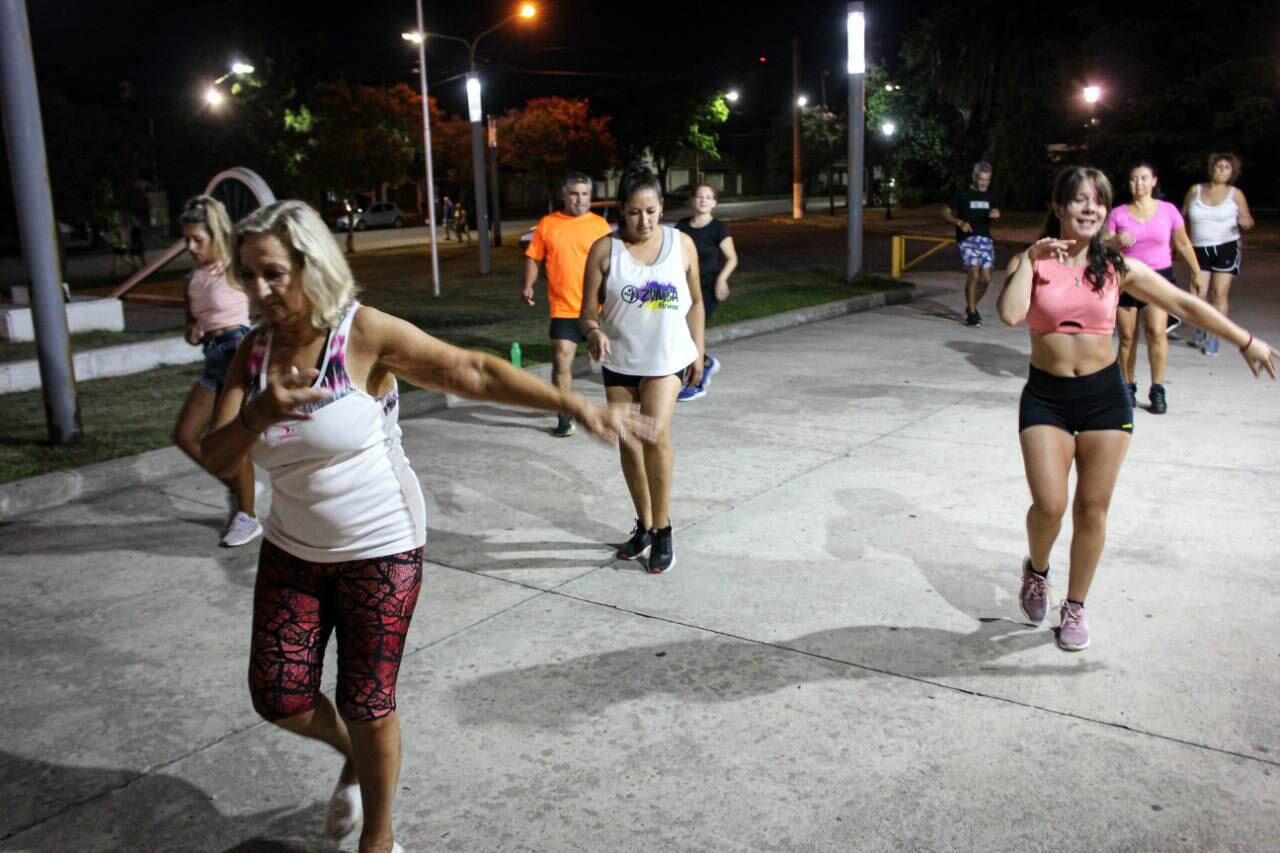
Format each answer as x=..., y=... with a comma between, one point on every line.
x=707, y=240
x=973, y=206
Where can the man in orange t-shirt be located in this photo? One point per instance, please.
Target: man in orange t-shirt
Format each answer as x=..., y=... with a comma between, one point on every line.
x=561, y=242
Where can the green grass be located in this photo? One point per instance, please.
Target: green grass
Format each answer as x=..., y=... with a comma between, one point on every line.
x=130, y=414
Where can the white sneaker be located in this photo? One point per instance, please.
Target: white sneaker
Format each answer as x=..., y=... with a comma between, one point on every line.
x=344, y=812
x=242, y=530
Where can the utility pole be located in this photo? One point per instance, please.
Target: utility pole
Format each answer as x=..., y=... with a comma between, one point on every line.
x=857, y=118
x=426, y=153
x=494, y=190
x=797, y=176
x=29, y=169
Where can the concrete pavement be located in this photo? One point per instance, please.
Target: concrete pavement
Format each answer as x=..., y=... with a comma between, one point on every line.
x=837, y=661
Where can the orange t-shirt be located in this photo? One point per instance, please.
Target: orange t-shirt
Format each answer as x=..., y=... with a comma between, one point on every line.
x=563, y=241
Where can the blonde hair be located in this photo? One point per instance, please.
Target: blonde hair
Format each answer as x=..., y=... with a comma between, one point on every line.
x=326, y=277
x=208, y=212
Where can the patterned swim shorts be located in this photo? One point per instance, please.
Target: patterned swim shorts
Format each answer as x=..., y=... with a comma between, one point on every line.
x=977, y=253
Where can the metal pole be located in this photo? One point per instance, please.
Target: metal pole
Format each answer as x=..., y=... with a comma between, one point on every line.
x=857, y=120
x=37, y=227
x=494, y=190
x=797, y=179
x=477, y=166
x=426, y=152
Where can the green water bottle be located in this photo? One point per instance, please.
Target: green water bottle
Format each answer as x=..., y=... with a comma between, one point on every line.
x=515, y=355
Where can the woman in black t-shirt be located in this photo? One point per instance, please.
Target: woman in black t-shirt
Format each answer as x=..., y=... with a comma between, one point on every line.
x=717, y=260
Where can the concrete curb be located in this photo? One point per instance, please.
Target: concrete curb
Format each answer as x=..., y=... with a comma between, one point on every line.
x=104, y=361
x=60, y=487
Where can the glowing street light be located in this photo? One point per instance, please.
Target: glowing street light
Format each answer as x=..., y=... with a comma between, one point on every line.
x=241, y=68
x=888, y=128
x=856, y=27
x=528, y=10
x=213, y=97
x=1092, y=94
x=731, y=96
x=412, y=37
x=803, y=101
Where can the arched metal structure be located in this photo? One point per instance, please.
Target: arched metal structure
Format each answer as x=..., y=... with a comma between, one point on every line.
x=241, y=191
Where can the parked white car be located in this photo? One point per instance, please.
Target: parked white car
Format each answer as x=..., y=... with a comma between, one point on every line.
x=380, y=214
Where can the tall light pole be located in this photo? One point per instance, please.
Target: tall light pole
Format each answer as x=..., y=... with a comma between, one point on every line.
x=887, y=130
x=857, y=29
x=797, y=102
x=420, y=39
x=475, y=113
x=29, y=169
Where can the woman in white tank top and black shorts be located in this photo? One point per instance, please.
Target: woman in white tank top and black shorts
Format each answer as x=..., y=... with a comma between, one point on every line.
x=1216, y=213
x=642, y=314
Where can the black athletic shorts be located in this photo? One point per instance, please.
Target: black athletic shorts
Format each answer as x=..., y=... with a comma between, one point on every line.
x=1076, y=403
x=566, y=329
x=1127, y=301
x=1224, y=257
x=626, y=380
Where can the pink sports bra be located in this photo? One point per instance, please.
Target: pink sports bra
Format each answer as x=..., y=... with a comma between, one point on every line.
x=1064, y=301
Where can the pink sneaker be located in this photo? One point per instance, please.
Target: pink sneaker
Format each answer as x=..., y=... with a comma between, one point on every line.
x=1073, y=635
x=1034, y=597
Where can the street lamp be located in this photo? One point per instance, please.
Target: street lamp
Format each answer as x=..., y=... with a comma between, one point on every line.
x=1092, y=94
x=887, y=130
x=418, y=39
x=213, y=97
x=475, y=113
x=732, y=96
x=802, y=101
x=856, y=26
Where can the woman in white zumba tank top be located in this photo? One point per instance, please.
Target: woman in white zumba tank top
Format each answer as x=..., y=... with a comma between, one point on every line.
x=311, y=395
x=643, y=317
x=1216, y=213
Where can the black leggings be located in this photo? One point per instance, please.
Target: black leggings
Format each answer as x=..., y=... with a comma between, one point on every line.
x=1076, y=403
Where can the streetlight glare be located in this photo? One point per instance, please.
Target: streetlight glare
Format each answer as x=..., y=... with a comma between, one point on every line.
x=731, y=96
x=213, y=97
x=241, y=68
x=415, y=37
x=1092, y=94
x=888, y=128
x=802, y=101
x=528, y=10
x=473, y=98
x=857, y=26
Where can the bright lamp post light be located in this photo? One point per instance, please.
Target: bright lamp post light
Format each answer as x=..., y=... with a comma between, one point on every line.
x=888, y=128
x=476, y=114
x=1092, y=94
x=241, y=68
x=802, y=101
x=856, y=27
x=732, y=96
x=213, y=97
x=418, y=38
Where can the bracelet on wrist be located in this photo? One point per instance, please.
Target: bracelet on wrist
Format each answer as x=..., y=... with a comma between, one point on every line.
x=595, y=329
x=1247, y=343
x=245, y=423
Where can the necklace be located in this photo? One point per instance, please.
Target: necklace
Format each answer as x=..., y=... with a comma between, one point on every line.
x=1076, y=281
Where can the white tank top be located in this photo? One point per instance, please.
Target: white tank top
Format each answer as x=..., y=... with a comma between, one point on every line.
x=1214, y=224
x=341, y=487
x=644, y=311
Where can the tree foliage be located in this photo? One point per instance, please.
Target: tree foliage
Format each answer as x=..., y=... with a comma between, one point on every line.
x=551, y=136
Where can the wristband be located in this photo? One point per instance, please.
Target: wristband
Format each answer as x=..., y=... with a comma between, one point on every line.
x=1247, y=343
x=244, y=423
x=595, y=329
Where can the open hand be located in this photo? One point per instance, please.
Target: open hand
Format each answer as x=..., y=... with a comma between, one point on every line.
x=283, y=399
x=1260, y=355
x=1050, y=247
x=621, y=423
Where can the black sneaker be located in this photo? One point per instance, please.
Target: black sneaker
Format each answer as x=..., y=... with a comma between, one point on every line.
x=638, y=545
x=564, y=427
x=663, y=556
x=1132, y=389
x=1158, y=404
x=972, y=318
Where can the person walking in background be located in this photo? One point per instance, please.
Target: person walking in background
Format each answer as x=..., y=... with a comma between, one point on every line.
x=971, y=212
x=717, y=259
x=1217, y=212
x=648, y=335
x=343, y=546
x=217, y=319
x=1075, y=408
x=560, y=243
x=446, y=208
x=1150, y=230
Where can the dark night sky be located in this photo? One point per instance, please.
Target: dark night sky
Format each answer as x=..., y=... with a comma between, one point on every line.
x=166, y=49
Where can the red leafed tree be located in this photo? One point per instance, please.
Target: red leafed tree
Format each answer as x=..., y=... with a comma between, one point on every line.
x=552, y=136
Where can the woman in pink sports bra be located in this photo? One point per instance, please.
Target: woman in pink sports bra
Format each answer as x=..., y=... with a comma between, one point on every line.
x=311, y=395
x=1075, y=408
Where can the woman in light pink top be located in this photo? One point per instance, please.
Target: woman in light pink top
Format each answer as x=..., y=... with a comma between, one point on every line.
x=217, y=319
x=1150, y=230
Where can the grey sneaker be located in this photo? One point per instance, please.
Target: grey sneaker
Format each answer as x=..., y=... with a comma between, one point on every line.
x=1073, y=635
x=662, y=558
x=244, y=528
x=1034, y=596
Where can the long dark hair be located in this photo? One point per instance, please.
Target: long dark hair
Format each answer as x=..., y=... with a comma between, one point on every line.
x=1156, y=192
x=1101, y=257
x=637, y=177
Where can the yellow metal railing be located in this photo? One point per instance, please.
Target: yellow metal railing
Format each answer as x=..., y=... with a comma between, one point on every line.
x=900, y=264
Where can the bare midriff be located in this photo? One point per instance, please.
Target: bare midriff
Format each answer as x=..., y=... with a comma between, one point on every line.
x=1071, y=355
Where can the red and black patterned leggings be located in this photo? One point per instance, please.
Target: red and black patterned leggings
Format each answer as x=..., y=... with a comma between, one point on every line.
x=297, y=603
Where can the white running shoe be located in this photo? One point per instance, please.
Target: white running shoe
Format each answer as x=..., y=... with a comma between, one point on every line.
x=242, y=530
x=344, y=812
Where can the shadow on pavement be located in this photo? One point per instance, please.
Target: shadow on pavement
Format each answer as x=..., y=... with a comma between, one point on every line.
x=993, y=359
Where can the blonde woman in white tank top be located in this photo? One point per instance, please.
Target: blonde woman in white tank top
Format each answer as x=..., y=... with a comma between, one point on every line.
x=347, y=537
x=1216, y=213
x=643, y=317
